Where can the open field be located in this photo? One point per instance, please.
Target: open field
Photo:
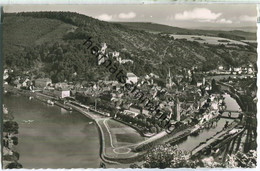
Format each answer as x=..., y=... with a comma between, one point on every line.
x=239, y=34
x=208, y=39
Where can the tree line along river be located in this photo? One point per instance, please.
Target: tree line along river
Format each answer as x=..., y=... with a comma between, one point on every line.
x=57, y=138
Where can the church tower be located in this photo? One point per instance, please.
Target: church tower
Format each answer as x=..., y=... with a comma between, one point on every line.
x=177, y=109
x=169, y=80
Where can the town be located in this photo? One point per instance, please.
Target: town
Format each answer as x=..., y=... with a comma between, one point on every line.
x=192, y=100
x=126, y=86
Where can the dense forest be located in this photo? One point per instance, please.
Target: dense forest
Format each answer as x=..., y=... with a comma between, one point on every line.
x=50, y=44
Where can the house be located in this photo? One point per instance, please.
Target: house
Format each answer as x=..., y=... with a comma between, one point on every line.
x=103, y=48
x=238, y=70
x=61, y=85
x=135, y=110
x=16, y=82
x=26, y=82
x=5, y=75
x=250, y=70
x=102, y=58
x=115, y=54
x=199, y=84
x=42, y=82
x=130, y=113
x=123, y=61
x=131, y=77
x=62, y=93
x=220, y=67
x=178, y=78
x=152, y=75
x=145, y=112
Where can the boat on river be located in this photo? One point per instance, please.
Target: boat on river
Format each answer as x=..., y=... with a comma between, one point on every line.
x=28, y=121
x=50, y=102
x=5, y=110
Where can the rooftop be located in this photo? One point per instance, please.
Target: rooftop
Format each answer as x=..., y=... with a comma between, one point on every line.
x=130, y=74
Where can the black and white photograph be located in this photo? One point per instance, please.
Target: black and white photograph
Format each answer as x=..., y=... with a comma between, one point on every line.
x=129, y=86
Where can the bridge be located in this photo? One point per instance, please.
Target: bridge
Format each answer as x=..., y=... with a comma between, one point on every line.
x=229, y=140
x=232, y=114
x=210, y=142
x=233, y=111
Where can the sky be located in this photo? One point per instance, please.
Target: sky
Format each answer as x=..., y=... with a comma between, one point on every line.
x=214, y=16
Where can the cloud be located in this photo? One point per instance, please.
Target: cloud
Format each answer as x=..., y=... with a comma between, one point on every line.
x=200, y=14
x=129, y=15
x=224, y=21
x=247, y=18
x=105, y=17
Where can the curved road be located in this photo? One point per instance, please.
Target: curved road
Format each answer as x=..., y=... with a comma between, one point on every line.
x=117, y=139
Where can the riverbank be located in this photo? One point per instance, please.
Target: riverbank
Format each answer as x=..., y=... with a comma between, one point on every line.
x=9, y=141
x=115, y=137
x=51, y=137
x=121, y=143
x=233, y=94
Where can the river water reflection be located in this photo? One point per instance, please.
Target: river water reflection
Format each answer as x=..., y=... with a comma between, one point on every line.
x=192, y=141
x=55, y=138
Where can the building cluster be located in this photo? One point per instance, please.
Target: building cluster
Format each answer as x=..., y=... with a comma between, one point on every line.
x=114, y=55
x=178, y=97
x=244, y=69
x=177, y=100
x=45, y=85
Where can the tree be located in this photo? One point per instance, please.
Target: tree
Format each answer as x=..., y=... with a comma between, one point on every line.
x=153, y=129
x=239, y=159
x=15, y=140
x=167, y=156
x=134, y=166
x=14, y=165
x=243, y=159
x=14, y=157
x=11, y=126
x=213, y=85
x=193, y=80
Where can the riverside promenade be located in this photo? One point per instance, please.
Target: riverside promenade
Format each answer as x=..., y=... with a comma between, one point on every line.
x=116, y=138
x=121, y=143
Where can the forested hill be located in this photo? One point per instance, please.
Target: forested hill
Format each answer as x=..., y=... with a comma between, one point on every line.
x=50, y=44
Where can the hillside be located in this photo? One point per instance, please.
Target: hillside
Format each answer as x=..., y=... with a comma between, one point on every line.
x=21, y=32
x=50, y=44
x=160, y=28
x=153, y=27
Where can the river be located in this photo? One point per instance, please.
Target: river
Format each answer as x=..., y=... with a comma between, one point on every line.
x=192, y=141
x=56, y=138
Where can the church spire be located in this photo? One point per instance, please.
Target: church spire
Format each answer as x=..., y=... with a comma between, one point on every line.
x=169, y=79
